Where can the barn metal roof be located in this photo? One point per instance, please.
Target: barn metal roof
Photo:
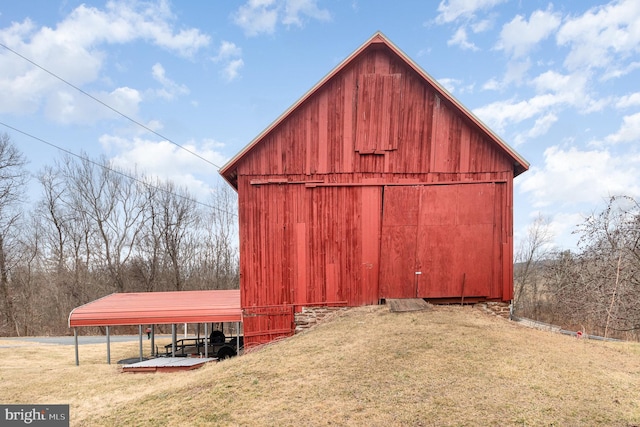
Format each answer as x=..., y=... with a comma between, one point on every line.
x=228, y=171
x=155, y=308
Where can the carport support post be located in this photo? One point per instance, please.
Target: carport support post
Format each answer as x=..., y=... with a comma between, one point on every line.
x=206, y=340
x=173, y=340
x=198, y=339
x=140, y=336
x=75, y=339
x=108, y=347
x=237, y=337
x=153, y=340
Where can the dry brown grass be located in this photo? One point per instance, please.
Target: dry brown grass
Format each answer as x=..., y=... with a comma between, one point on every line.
x=446, y=366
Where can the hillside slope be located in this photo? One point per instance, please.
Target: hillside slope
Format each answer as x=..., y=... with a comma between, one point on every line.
x=445, y=366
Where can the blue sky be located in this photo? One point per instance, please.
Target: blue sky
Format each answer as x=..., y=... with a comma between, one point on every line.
x=557, y=81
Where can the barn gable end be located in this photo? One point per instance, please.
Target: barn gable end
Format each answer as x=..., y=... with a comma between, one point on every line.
x=376, y=184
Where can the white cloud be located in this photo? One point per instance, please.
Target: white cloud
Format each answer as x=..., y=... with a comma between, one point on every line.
x=556, y=82
x=452, y=10
x=124, y=99
x=122, y=22
x=519, y=36
x=232, y=70
x=500, y=113
x=571, y=177
x=455, y=85
x=626, y=101
x=257, y=17
x=295, y=9
x=449, y=84
x=230, y=55
x=68, y=106
x=620, y=70
x=463, y=13
x=516, y=72
x=542, y=125
x=628, y=132
x=562, y=227
x=540, y=128
x=80, y=60
x=228, y=50
x=482, y=26
x=491, y=84
x=170, y=89
x=603, y=36
x=167, y=161
x=459, y=38
x=554, y=91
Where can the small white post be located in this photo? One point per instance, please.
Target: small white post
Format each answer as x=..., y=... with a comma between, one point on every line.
x=206, y=339
x=108, y=347
x=140, y=336
x=238, y=338
x=153, y=340
x=75, y=338
x=173, y=340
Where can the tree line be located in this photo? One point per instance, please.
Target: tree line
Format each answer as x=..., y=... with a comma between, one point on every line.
x=97, y=229
x=595, y=289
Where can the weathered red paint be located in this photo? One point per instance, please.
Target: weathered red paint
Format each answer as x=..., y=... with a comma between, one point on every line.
x=441, y=241
x=155, y=308
x=373, y=176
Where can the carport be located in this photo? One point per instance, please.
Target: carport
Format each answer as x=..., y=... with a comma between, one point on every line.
x=157, y=308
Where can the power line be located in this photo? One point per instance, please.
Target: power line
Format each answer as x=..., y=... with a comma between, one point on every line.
x=146, y=184
x=106, y=105
x=122, y=115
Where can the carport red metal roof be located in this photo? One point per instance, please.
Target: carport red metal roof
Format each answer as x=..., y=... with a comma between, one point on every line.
x=155, y=308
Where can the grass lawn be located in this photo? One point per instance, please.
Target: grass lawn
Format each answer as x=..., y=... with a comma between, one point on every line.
x=367, y=367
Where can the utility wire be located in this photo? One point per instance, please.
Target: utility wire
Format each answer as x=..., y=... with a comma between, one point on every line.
x=146, y=184
x=106, y=105
x=119, y=113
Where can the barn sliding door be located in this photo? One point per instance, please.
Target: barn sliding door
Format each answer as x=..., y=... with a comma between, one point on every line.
x=441, y=241
x=398, y=243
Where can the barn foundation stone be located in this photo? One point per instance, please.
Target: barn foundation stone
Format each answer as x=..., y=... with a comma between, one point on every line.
x=502, y=309
x=311, y=316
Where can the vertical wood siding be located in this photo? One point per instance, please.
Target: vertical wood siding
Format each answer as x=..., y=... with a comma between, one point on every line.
x=309, y=245
x=373, y=178
x=442, y=241
x=351, y=125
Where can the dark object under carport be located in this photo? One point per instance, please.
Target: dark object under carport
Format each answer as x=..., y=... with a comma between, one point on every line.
x=156, y=308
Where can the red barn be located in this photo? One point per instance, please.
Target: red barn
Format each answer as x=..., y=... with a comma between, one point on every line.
x=376, y=184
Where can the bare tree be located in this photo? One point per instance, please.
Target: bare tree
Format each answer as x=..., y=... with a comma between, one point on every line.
x=13, y=178
x=55, y=217
x=221, y=252
x=95, y=230
x=530, y=255
x=146, y=265
x=65, y=240
x=174, y=226
x=598, y=288
x=179, y=220
x=114, y=208
x=610, y=255
x=31, y=293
